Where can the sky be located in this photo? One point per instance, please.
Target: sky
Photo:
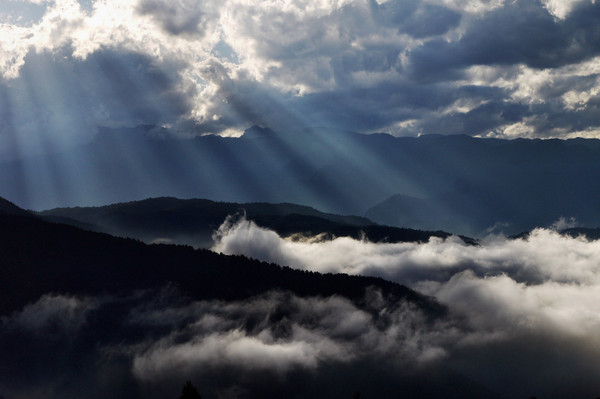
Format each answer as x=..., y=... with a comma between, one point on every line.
x=489, y=68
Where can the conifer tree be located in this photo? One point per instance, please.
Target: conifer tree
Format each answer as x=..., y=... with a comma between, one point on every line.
x=189, y=391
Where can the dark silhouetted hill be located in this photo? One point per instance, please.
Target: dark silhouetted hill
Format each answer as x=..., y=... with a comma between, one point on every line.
x=80, y=310
x=193, y=221
x=37, y=257
x=591, y=234
x=7, y=207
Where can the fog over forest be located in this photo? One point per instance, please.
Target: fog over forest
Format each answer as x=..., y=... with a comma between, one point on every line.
x=400, y=199
x=523, y=302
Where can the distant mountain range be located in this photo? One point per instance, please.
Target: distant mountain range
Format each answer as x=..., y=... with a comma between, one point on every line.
x=194, y=221
x=453, y=183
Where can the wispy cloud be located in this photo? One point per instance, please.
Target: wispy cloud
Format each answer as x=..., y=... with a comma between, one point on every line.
x=52, y=312
x=266, y=341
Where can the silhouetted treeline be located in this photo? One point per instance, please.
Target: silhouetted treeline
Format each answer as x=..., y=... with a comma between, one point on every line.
x=193, y=221
x=38, y=257
x=189, y=391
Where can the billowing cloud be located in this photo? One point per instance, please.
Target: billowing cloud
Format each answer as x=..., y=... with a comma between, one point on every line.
x=155, y=340
x=279, y=333
x=501, y=337
x=542, y=256
x=545, y=287
x=507, y=69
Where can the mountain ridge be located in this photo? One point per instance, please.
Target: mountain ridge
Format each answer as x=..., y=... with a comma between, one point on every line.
x=193, y=221
x=484, y=182
x=74, y=302
x=38, y=257
x=7, y=207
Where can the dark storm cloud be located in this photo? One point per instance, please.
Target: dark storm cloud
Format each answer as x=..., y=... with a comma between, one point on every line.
x=521, y=32
x=397, y=66
x=375, y=59
x=552, y=119
x=140, y=89
x=554, y=89
x=182, y=17
x=431, y=20
x=416, y=19
x=518, y=33
x=361, y=108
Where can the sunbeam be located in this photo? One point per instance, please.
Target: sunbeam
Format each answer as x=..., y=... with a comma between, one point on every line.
x=418, y=178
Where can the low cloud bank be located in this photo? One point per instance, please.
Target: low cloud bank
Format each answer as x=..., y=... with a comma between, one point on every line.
x=279, y=332
x=522, y=321
x=542, y=291
x=543, y=256
x=148, y=344
x=544, y=280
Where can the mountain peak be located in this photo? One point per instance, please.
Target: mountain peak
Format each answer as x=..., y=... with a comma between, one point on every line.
x=257, y=132
x=8, y=207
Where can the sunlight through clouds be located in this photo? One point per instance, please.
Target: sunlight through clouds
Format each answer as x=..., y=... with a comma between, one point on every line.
x=302, y=53
x=106, y=101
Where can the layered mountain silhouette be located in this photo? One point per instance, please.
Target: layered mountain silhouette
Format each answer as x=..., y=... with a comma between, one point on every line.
x=194, y=221
x=77, y=307
x=453, y=183
x=39, y=257
x=8, y=208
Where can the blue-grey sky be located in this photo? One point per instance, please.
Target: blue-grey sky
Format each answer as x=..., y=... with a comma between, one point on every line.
x=479, y=67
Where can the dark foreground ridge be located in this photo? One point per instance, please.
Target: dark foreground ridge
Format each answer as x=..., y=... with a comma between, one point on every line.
x=86, y=314
x=8, y=208
x=37, y=257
